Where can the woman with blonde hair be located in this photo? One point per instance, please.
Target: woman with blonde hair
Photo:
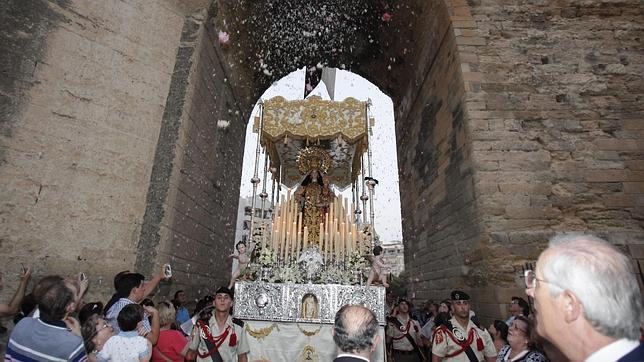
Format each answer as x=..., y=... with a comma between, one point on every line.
x=172, y=345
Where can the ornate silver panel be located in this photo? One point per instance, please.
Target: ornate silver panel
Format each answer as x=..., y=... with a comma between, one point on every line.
x=310, y=303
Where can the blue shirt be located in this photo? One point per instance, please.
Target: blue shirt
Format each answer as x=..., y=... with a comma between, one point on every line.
x=182, y=315
x=35, y=340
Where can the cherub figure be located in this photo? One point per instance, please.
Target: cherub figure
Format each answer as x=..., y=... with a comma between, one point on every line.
x=243, y=261
x=377, y=263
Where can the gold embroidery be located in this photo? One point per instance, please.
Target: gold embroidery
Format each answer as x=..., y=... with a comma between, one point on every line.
x=307, y=333
x=308, y=354
x=262, y=332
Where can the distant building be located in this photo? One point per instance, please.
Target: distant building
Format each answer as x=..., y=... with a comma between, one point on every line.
x=394, y=257
x=244, y=212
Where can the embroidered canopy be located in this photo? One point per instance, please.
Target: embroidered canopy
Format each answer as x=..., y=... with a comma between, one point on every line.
x=300, y=134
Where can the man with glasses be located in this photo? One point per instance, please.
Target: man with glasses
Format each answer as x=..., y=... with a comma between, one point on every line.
x=518, y=307
x=461, y=339
x=587, y=300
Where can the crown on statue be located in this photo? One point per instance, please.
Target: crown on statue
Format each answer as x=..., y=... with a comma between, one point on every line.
x=313, y=158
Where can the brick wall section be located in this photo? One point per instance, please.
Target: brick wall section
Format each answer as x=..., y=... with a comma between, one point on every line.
x=440, y=222
x=554, y=100
x=81, y=109
x=194, y=189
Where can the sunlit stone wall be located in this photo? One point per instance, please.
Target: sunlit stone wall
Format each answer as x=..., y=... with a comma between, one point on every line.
x=83, y=90
x=557, y=128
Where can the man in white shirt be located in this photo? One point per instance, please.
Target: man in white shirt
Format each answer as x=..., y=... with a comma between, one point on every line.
x=355, y=333
x=587, y=300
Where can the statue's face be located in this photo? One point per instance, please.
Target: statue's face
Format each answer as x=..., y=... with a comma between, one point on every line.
x=314, y=175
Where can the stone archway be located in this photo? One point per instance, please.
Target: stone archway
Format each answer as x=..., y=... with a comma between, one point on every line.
x=511, y=125
x=422, y=72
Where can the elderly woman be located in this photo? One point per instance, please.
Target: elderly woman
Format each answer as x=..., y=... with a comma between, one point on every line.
x=95, y=331
x=172, y=344
x=521, y=343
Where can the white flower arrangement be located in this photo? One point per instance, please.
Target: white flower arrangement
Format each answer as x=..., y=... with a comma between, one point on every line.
x=267, y=257
x=290, y=274
x=333, y=275
x=311, y=261
x=356, y=261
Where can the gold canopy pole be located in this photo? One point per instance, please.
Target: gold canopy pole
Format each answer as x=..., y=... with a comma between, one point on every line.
x=255, y=180
x=371, y=183
x=263, y=195
x=364, y=196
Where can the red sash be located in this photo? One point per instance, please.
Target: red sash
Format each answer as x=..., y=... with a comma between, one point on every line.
x=464, y=344
x=216, y=341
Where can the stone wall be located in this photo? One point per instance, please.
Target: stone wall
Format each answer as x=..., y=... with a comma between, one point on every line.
x=514, y=120
x=556, y=114
x=194, y=188
x=83, y=91
x=81, y=115
x=440, y=222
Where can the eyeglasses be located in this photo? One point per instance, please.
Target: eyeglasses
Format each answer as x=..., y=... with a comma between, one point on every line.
x=531, y=279
x=514, y=326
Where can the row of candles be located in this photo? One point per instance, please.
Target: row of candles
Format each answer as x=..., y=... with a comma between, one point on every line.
x=338, y=233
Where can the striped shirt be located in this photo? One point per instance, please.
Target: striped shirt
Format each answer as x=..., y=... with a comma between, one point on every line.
x=114, y=311
x=35, y=340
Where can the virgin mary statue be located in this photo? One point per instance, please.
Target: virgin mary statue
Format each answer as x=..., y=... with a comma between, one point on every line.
x=313, y=194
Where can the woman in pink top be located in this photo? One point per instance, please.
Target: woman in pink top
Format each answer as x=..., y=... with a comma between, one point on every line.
x=172, y=345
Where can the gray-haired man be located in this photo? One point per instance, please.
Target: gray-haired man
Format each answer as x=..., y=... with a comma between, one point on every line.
x=355, y=333
x=587, y=300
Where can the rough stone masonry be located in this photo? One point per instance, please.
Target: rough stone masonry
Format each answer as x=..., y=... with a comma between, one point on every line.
x=515, y=119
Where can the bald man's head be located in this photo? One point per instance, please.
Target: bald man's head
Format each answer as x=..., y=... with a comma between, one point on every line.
x=355, y=329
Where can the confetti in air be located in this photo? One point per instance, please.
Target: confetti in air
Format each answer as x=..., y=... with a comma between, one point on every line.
x=224, y=38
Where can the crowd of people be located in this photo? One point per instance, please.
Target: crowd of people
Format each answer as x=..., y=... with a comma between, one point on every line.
x=587, y=307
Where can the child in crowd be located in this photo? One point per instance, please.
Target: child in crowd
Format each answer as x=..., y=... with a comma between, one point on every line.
x=127, y=345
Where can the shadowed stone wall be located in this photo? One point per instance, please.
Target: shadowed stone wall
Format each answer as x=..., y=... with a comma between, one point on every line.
x=439, y=218
x=194, y=188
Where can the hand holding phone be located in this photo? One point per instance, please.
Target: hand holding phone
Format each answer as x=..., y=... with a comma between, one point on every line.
x=167, y=271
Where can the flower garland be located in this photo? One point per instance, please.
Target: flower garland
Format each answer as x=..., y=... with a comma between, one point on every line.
x=261, y=333
x=307, y=333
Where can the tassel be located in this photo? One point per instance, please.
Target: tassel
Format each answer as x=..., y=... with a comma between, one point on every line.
x=233, y=340
x=479, y=343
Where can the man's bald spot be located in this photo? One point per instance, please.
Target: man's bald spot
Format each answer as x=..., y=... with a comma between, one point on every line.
x=355, y=318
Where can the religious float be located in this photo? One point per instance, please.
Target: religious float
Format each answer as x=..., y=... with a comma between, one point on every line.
x=313, y=256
